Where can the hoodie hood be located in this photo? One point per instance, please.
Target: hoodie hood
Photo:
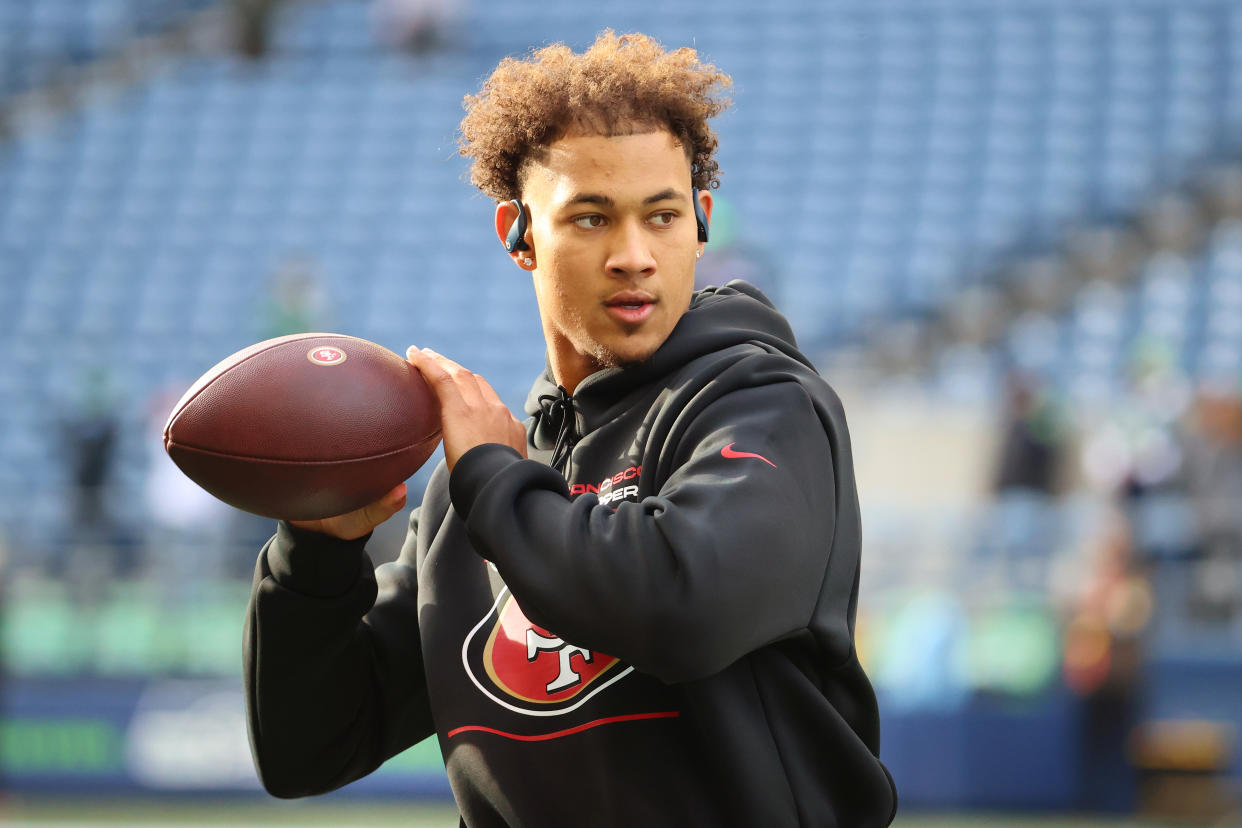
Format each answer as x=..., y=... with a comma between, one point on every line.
x=718, y=318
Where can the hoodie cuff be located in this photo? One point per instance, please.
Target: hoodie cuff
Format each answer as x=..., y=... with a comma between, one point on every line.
x=314, y=564
x=474, y=470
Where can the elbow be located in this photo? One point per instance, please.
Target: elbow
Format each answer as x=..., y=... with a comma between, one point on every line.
x=681, y=671
x=290, y=777
x=293, y=783
x=283, y=780
x=684, y=665
x=281, y=791
x=282, y=786
x=686, y=641
x=684, y=649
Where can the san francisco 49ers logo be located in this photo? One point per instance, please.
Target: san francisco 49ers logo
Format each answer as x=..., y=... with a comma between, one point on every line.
x=529, y=670
x=326, y=355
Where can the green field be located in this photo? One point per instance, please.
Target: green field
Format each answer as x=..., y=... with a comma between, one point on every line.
x=173, y=813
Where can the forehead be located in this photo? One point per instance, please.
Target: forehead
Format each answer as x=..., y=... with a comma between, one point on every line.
x=617, y=166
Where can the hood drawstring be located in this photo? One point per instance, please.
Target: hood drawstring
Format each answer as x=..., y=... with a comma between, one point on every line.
x=559, y=410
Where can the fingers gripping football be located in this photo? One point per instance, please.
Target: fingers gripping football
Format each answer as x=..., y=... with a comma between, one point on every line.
x=471, y=412
x=361, y=521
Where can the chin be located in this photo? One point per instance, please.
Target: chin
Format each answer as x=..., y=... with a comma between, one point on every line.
x=629, y=356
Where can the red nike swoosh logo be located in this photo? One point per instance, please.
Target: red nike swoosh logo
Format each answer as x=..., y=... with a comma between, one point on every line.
x=728, y=451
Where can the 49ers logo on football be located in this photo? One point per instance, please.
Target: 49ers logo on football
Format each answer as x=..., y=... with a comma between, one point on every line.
x=326, y=355
x=529, y=670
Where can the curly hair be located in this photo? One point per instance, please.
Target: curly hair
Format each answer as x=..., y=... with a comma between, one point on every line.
x=621, y=85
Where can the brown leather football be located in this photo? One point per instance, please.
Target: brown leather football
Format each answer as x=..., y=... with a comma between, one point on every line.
x=305, y=426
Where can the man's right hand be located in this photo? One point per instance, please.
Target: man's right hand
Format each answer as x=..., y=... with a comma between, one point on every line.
x=359, y=522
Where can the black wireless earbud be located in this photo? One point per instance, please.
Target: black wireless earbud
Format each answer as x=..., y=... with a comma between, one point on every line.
x=699, y=216
x=517, y=231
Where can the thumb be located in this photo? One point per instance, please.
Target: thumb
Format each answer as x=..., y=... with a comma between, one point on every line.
x=357, y=523
x=388, y=505
x=364, y=520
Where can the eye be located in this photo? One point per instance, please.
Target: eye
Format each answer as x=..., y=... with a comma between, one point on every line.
x=663, y=219
x=588, y=222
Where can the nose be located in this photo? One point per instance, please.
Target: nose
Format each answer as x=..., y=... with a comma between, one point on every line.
x=631, y=254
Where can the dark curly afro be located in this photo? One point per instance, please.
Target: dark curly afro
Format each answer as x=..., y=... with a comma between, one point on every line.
x=621, y=85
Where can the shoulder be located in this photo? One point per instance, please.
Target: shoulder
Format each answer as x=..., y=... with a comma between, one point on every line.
x=750, y=365
x=752, y=384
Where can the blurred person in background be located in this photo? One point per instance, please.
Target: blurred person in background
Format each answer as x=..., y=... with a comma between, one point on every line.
x=1133, y=449
x=94, y=550
x=252, y=24
x=91, y=433
x=1032, y=440
x=1028, y=474
x=296, y=300
x=415, y=26
x=688, y=508
x=1212, y=479
x=1159, y=397
x=187, y=532
x=1103, y=663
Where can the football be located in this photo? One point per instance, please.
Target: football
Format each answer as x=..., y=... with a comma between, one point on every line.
x=305, y=426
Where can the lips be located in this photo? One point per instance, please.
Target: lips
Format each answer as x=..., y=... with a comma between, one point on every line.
x=630, y=307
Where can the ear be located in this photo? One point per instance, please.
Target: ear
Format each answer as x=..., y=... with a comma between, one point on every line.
x=507, y=213
x=705, y=201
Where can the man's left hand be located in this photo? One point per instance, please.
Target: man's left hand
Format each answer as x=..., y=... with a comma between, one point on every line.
x=471, y=413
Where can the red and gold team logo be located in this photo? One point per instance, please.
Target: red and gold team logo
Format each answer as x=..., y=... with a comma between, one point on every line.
x=326, y=355
x=528, y=669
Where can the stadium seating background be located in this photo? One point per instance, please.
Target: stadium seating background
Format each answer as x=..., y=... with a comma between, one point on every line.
x=882, y=159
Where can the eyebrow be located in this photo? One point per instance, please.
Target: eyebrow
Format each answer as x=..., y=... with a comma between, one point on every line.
x=596, y=198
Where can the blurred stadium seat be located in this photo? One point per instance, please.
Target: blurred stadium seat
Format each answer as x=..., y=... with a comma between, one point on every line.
x=37, y=40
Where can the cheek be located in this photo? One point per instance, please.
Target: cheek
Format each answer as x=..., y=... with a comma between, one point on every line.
x=684, y=279
x=555, y=295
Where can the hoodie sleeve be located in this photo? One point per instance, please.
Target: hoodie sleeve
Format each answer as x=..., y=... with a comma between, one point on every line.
x=729, y=555
x=334, y=676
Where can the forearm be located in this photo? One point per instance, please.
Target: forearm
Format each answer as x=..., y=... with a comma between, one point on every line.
x=329, y=692
x=679, y=584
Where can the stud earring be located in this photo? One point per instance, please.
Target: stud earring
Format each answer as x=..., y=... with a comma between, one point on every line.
x=528, y=261
x=698, y=254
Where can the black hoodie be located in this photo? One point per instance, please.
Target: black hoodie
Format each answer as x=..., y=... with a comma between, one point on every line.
x=650, y=622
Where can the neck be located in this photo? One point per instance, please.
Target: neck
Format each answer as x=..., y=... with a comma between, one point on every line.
x=568, y=376
x=569, y=367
